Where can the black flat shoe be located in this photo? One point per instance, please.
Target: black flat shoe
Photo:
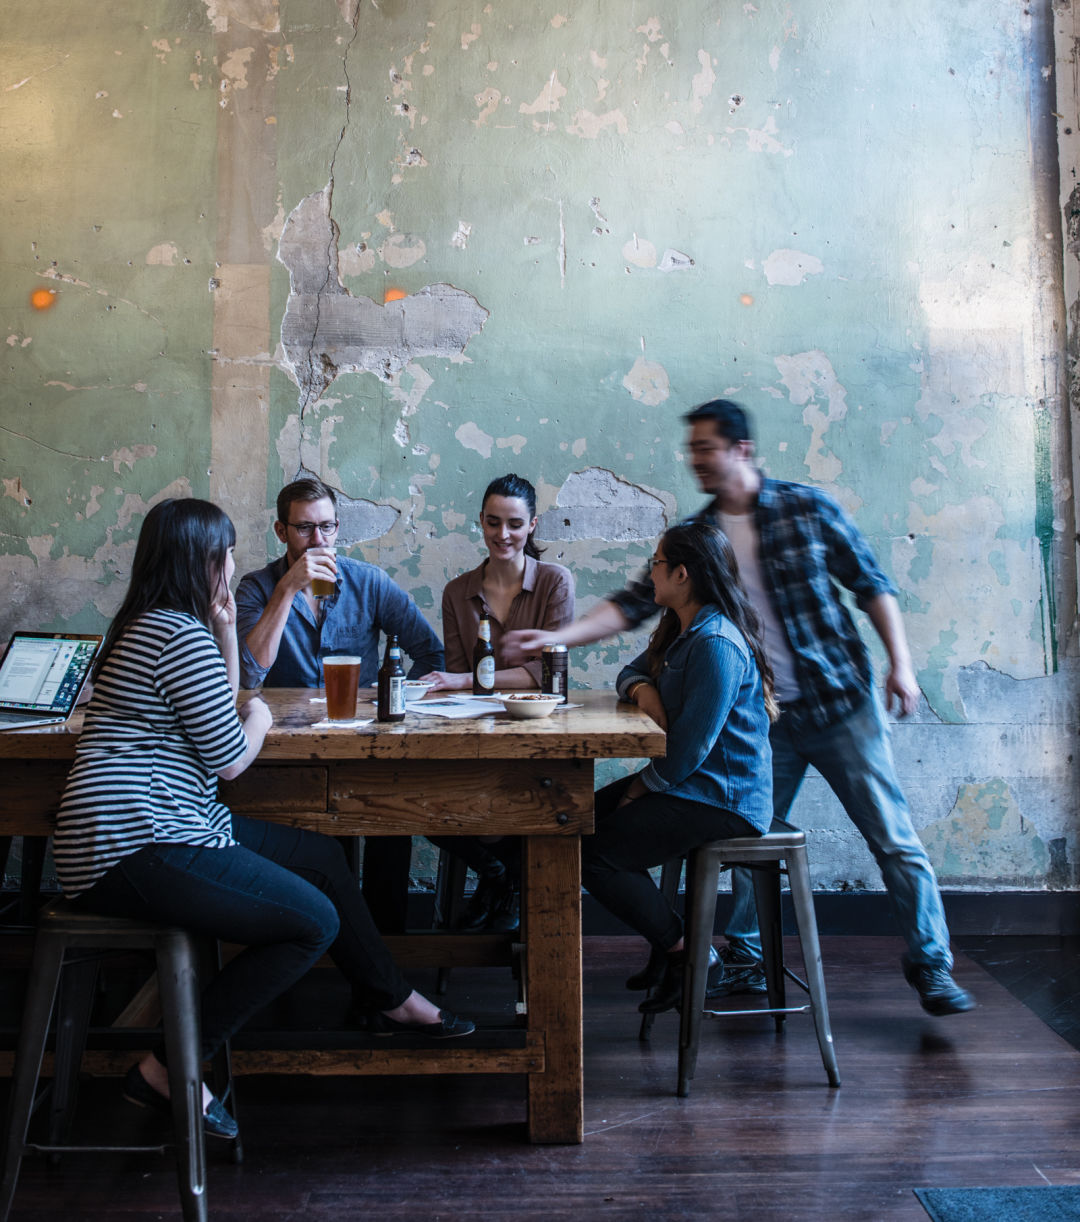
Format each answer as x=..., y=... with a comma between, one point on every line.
x=449, y=1027
x=668, y=993
x=650, y=975
x=216, y=1120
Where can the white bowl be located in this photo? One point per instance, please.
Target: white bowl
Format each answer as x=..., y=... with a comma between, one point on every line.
x=530, y=704
x=417, y=689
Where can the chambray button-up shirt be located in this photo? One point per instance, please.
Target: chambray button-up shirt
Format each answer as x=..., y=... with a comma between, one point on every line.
x=367, y=602
x=809, y=548
x=718, y=731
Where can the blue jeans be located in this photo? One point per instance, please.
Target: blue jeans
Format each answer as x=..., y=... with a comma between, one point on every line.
x=646, y=832
x=283, y=893
x=855, y=759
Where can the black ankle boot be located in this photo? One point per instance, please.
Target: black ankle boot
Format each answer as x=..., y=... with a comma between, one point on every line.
x=493, y=895
x=668, y=993
x=651, y=974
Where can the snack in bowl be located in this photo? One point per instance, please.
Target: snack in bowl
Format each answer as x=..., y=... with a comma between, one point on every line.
x=530, y=704
x=416, y=689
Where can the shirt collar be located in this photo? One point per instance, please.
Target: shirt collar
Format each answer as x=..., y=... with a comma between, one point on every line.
x=474, y=584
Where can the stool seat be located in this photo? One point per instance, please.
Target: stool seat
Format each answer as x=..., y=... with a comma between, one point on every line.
x=62, y=929
x=762, y=854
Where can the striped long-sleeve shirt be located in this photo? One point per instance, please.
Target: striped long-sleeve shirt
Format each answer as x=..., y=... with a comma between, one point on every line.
x=160, y=726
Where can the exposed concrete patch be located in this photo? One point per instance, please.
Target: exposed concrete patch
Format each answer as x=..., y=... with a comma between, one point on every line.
x=763, y=139
x=595, y=504
x=164, y=254
x=648, y=382
x=589, y=125
x=986, y=839
x=809, y=377
x=259, y=15
x=472, y=437
x=675, y=261
x=327, y=331
x=128, y=456
x=791, y=267
x=402, y=250
x=487, y=101
x=640, y=252
x=14, y=488
x=516, y=442
x=703, y=82
x=547, y=100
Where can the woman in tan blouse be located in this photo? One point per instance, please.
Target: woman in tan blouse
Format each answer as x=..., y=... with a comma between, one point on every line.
x=514, y=588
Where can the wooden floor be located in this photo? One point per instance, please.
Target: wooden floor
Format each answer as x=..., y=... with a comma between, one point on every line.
x=983, y=1099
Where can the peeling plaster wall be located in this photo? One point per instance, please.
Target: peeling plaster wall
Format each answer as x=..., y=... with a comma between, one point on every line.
x=412, y=247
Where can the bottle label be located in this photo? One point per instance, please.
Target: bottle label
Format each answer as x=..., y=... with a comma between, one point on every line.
x=485, y=673
x=397, y=694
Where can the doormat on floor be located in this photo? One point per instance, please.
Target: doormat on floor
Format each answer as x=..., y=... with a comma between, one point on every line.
x=1048, y=1204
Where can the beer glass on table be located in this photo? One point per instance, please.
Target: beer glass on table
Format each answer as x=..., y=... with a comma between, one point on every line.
x=341, y=674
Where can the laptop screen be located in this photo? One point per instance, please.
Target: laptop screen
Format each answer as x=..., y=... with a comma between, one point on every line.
x=43, y=672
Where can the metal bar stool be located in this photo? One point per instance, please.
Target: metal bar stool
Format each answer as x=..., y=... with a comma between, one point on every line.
x=764, y=855
x=60, y=933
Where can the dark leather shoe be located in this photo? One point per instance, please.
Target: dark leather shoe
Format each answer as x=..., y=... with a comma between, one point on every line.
x=449, y=1027
x=492, y=896
x=668, y=993
x=651, y=974
x=938, y=992
x=216, y=1120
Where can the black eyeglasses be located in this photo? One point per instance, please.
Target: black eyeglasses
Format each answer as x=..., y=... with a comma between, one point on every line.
x=654, y=561
x=306, y=529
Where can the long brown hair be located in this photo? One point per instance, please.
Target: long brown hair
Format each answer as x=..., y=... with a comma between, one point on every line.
x=704, y=551
x=179, y=563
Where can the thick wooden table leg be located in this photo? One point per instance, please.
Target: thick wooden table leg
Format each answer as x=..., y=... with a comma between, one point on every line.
x=553, y=985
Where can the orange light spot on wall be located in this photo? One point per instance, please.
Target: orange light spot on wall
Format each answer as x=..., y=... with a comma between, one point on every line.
x=43, y=299
x=746, y=299
x=394, y=295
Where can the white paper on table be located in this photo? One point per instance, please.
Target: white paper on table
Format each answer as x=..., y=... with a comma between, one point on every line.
x=456, y=709
x=351, y=724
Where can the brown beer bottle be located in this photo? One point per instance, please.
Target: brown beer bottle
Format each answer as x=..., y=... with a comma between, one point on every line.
x=483, y=660
x=391, y=699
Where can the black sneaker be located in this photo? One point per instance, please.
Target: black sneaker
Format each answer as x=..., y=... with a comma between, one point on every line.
x=491, y=898
x=938, y=992
x=733, y=972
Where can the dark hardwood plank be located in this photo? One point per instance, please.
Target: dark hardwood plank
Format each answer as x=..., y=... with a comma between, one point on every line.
x=987, y=1098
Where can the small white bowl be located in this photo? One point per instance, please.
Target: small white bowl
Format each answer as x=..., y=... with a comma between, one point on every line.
x=417, y=689
x=530, y=704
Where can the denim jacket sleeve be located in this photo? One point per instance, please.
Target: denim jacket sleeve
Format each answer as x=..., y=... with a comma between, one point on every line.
x=633, y=672
x=699, y=685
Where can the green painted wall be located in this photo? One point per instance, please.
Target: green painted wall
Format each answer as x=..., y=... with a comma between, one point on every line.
x=828, y=211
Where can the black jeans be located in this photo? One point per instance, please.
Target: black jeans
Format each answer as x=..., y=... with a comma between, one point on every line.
x=283, y=893
x=644, y=833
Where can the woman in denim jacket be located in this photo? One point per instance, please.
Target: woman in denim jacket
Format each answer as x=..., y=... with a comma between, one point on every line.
x=705, y=680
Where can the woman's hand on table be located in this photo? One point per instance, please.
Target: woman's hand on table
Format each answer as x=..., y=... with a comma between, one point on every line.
x=257, y=711
x=647, y=698
x=447, y=681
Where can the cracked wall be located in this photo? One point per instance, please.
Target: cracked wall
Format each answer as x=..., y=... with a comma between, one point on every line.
x=413, y=247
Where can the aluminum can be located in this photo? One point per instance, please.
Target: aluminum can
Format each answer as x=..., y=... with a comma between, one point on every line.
x=554, y=671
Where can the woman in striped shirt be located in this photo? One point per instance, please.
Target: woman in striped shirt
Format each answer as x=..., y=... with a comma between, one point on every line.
x=141, y=834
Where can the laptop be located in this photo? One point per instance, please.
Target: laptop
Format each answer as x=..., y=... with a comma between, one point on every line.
x=42, y=675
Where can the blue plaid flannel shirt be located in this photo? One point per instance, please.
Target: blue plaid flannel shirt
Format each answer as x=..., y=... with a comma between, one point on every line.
x=809, y=548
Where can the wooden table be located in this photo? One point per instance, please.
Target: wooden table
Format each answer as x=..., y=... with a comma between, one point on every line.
x=488, y=776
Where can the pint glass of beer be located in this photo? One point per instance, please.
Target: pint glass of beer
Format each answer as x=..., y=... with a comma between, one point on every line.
x=342, y=677
x=323, y=589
